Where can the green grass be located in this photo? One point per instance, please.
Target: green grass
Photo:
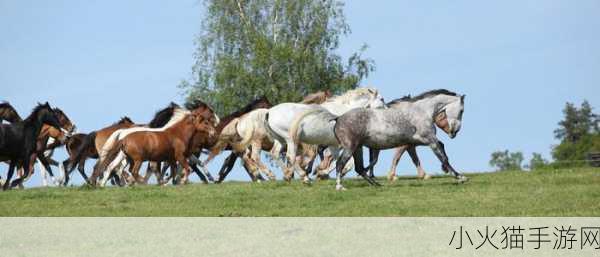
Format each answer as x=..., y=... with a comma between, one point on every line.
x=565, y=192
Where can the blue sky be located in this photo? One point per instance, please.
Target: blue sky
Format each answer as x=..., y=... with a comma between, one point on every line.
x=518, y=62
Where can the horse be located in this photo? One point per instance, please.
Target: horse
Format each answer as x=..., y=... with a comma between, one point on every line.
x=252, y=137
x=412, y=123
x=86, y=146
x=172, y=144
x=286, y=119
x=50, y=143
x=411, y=149
x=176, y=114
x=226, y=136
x=18, y=140
x=47, y=140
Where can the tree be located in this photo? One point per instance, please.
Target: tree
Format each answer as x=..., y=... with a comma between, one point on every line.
x=505, y=160
x=577, y=123
x=283, y=49
x=579, y=133
x=537, y=162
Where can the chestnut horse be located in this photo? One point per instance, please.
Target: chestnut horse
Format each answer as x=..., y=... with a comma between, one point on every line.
x=172, y=145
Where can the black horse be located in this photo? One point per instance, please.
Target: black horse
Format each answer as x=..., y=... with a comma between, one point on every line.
x=18, y=140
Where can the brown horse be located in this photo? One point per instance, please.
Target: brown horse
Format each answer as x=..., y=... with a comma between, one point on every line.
x=87, y=145
x=171, y=145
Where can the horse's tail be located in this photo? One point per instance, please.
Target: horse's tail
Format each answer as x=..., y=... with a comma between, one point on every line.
x=246, y=137
x=109, y=144
x=110, y=155
x=270, y=130
x=297, y=121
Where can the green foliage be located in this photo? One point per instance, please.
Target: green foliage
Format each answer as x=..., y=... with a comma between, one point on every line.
x=537, y=162
x=283, y=49
x=577, y=123
x=578, y=132
x=505, y=160
x=568, y=151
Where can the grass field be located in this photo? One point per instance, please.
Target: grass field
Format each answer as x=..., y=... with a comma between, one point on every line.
x=567, y=192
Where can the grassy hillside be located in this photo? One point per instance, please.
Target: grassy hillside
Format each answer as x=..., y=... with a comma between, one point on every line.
x=568, y=192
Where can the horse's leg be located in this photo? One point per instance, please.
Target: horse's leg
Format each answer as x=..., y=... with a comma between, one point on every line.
x=440, y=152
x=11, y=170
x=251, y=166
x=150, y=169
x=291, y=160
x=255, y=156
x=27, y=163
x=173, y=166
x=204, y=174
x=227, y=167
x=65, y=176
x=360, y=169
x=81, y=169
x=373, y=158
x=186, y=168
x=135, y=169
x=45, y=169
x=412, y=152
x=339, y=168
x=397, y=155
x=114, y=164
x=197, y=171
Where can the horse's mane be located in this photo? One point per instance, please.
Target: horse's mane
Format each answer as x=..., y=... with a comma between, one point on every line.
x=427, y=94
x=37, y=109
x=246, y=109
x=163, y=116
x=123, y=120
x=316, y=98
x=351, y=94
x=7, y=105
x=196, y=104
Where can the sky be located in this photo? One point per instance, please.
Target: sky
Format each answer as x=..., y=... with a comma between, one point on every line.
x=518, y=62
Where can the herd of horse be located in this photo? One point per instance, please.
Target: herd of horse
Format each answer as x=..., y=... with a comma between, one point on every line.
x=294, y=135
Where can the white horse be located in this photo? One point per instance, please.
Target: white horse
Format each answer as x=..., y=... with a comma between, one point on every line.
x=281, y=118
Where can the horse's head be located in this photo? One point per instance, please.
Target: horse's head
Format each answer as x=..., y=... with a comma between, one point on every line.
x=44, y=114
x=65, y=122
x=205, y=120
x=449, y=117
x=57, y=134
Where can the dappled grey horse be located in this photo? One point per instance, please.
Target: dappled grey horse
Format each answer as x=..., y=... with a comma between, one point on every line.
x=410, y=124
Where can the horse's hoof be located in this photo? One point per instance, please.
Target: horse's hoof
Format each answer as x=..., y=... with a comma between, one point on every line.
x=340, y=188
x=462, y=179
x=426, y=177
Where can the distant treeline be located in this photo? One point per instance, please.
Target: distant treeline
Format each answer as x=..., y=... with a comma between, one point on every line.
x=579, y=136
